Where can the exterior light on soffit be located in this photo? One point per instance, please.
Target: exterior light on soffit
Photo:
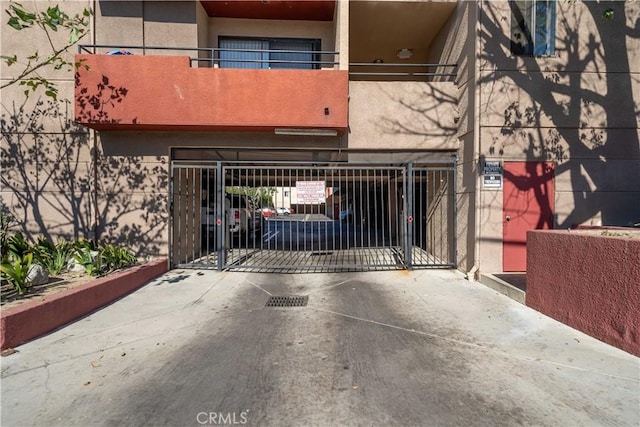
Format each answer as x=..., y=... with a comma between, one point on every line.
x=306, y=132
x=405, y=53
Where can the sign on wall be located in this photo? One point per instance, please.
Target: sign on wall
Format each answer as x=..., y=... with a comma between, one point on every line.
x=492, y=174
x=311, y=191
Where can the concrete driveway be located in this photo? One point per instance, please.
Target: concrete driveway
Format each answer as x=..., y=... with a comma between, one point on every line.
x=377, y=348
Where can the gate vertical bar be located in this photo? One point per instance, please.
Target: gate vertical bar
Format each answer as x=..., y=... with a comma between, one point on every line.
x=221, y=217
x=454, y=219
x=408, y=208
x=171, y=216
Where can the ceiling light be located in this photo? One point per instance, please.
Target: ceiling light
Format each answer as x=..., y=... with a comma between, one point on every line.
x=378, y=61
x=405, y=53
x=306, y=132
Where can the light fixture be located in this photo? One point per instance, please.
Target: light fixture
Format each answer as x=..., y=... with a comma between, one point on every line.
x=378, y=61
x=405, y=53
x=306, y=132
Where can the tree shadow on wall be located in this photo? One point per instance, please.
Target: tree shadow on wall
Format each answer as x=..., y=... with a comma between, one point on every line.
x=429, y=111
x=58, y=186
x=585, y=122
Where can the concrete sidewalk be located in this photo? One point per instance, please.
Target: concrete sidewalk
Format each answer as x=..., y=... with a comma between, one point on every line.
x=377, y=348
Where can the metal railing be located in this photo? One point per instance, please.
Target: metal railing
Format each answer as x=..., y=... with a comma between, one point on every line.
x=212, y=56
x=400, y=70
x=320, y=59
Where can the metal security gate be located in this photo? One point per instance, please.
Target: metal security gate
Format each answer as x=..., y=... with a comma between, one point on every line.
x=309, y=218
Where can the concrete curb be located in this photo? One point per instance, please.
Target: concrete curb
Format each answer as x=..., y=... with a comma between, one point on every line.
x=33, y=319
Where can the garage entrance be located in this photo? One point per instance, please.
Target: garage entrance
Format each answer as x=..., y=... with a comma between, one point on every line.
x=310, y=217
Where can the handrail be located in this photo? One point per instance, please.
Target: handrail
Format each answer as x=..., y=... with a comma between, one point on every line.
x=86, y=47
x=418, y=73
x=213, y=56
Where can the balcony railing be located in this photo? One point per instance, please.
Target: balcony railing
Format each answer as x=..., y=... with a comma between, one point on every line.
x=398, y=71
x=212, y=56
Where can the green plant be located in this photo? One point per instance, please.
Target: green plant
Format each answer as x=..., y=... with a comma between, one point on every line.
x=18, y=246
x=85, y=244
x=15, y=271
x=6, y=221
x=91, y=263
x=51, y=20
x=115, y=257
x=52, y=257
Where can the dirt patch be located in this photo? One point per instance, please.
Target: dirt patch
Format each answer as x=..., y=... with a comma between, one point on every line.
x=10, y=298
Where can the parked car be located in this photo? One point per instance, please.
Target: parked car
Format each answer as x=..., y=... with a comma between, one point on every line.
x=241, y=216
x=268, y=212
x=283, y=211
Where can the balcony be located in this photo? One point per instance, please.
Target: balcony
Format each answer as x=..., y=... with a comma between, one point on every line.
x=136, y=91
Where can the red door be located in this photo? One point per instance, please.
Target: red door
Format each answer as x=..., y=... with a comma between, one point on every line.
x=528, y=197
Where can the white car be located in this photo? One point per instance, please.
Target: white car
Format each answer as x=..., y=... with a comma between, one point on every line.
x=283, y=211
x=240, y=216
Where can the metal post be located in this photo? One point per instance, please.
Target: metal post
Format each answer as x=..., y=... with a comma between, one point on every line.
x=221, y=220
x=408, y=215
x=454, y=220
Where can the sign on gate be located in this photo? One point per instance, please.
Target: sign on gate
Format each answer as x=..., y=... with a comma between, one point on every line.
x=311, y=191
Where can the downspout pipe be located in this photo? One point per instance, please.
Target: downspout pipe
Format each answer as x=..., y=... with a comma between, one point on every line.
x=474, y=272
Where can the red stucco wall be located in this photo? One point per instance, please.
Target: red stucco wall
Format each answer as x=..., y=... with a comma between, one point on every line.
x=123, y=92
x=587, y=281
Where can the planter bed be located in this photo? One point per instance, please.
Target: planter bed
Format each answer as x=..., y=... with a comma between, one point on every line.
x=37, y=317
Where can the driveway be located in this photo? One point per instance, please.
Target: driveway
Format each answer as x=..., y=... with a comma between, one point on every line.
x=376, y=348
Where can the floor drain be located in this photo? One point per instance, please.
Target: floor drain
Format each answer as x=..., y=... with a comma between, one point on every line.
x=287, y=301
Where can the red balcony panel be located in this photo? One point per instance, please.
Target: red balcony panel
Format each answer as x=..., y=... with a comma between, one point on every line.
x=165, y=93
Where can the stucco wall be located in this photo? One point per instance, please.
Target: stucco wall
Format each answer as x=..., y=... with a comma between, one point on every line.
x=455, y=44
x=402, y=115
x=164, y=93
x=147, y=23
x=589, y=281
x=578, y=108
x=46, y=159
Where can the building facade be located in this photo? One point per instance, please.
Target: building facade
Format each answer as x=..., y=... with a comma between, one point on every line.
x=484, y=119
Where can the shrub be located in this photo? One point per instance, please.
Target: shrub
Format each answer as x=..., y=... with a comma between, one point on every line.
x=6, y=221
x=52, y=257
x=18, y=246
x=15, y=270
x=116, y=257
x=89, y=260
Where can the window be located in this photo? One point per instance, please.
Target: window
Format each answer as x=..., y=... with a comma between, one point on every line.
x=533, y=27
x=268, y=53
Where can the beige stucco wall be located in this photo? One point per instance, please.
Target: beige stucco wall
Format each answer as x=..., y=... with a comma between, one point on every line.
x=402, y=115
x=147, y=23
x=578, y=108
x=119, y=23
x=455, y=44
x=46, y=160
x=202, y=20
x=341, y=31
x=46, y=165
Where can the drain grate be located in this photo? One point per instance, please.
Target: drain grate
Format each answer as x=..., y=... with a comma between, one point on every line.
x=287, y=301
